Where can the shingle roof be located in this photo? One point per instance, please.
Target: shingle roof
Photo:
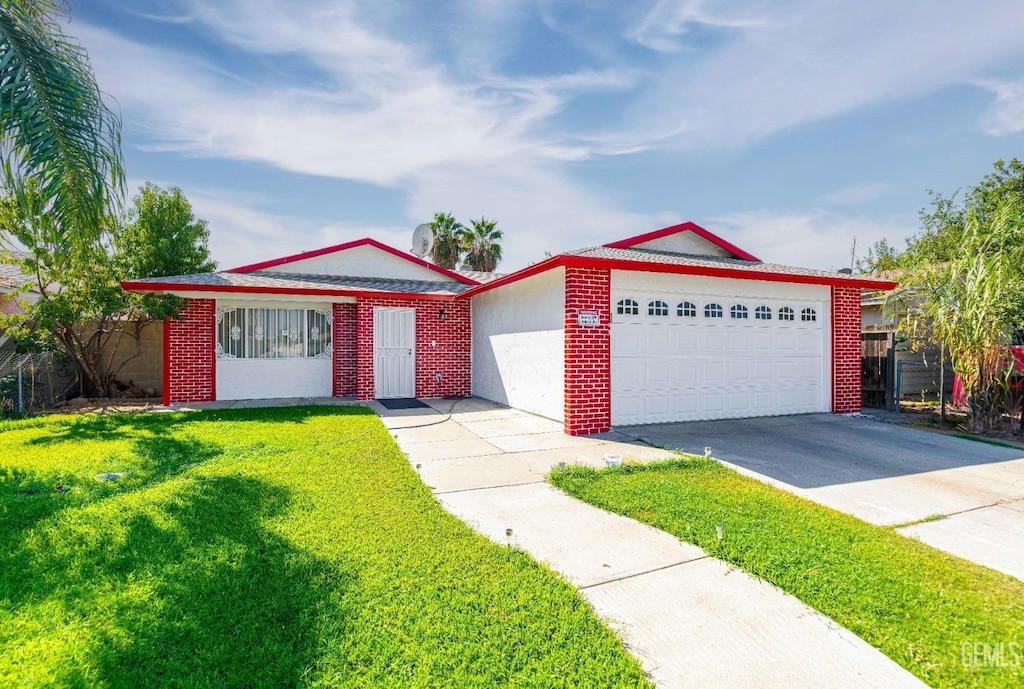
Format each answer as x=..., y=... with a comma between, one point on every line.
x=291, y=281
x=479, y=275
x=670, y=258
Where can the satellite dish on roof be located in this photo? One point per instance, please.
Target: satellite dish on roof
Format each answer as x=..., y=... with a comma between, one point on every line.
x=422, y=240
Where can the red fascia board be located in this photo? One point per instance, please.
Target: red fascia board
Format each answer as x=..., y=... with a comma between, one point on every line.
x=366, y=241
x=303, y=291
x=725, y=272
x=685, y=227
x=710, y=271
x=528, y=271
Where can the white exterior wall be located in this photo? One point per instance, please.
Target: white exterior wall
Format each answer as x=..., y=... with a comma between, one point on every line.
x=252, y=379
x=257, y=379
x=519, y=344
x=362, y=261
x=684, y=243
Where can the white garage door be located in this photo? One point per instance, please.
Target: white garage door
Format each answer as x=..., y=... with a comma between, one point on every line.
x=712, y=357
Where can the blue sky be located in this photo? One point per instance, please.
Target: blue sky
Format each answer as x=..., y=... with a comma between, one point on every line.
x=787, y=127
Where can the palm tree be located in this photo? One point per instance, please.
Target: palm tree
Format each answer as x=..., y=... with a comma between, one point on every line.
x=447, y=248
x=54, y=127
x=482, y=245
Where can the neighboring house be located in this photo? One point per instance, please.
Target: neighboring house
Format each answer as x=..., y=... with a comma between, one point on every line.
x=672, y=325
x=889, y=360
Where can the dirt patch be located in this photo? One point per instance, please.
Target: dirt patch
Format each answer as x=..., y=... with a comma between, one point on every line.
x=926, y=415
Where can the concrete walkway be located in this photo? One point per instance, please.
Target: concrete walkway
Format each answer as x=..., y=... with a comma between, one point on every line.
x=693, y=621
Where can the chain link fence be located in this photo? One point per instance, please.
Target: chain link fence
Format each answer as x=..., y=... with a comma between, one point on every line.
x=35, y=381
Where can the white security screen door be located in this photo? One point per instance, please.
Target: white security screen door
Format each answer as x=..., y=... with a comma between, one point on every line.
x=394, y=353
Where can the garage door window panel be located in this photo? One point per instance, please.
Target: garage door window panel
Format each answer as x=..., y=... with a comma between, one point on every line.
x=627, y=307
x=657, y=308
x=786, y=314
x=763, y=313
x=808, y=315
x=738, y=311
x=686, y=309
x=713, y=310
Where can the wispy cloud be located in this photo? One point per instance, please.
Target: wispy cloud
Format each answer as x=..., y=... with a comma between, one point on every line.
x=1006, y=115
x=814, y=61
x=664, y=28
x=815, y=239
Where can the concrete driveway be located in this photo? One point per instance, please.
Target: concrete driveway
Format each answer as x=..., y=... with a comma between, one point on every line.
x=882, y=473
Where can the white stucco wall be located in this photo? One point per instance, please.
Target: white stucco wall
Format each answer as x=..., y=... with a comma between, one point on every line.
x=259, y=379
x=362, y=261
x=684, y=243
x=519, y=344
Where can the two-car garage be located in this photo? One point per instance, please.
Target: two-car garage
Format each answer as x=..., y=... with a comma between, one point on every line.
x=691, y=348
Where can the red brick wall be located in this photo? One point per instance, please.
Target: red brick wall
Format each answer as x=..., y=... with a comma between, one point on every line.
x=846, y=350
x=588, y=407
x=345, y=350
x=441, y=346
x=190, y=359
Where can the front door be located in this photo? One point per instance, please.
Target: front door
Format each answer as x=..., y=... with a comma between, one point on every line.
x=394, y=353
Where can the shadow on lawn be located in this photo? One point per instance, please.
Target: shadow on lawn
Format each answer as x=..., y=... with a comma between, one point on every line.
x=188, y=589
x=27, y=498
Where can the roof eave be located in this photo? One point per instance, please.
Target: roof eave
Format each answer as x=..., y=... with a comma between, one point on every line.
x=173, y=287
x=366, y=241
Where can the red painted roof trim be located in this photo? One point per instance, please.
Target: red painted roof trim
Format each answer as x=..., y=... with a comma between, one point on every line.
x=643, y=266
x=302, y=291
x=685, y=227
x=724, y=272
x=366, y=241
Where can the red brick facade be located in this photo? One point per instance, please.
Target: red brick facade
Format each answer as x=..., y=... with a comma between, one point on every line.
x=846, y=350
x=345, y=348
x=588, y=407
x=190, y=359
x=442, y=346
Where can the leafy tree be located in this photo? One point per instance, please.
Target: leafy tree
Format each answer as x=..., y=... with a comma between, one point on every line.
x=81, y=307
x=943, y=224
x=971, y=301
x=482, y=244
x=881, y=257
x=56, y=131
x=161, y=236
x=446, y=250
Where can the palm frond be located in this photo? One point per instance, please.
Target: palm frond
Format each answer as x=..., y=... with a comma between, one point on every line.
x=55, y=126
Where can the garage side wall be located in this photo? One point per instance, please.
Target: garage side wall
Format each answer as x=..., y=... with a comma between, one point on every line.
x=846, y=345
x=587, y=351
x=442, y=346
x=189, y=354
x=519, y=344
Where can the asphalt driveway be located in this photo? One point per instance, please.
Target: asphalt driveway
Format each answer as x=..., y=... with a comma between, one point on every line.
x=882, y=473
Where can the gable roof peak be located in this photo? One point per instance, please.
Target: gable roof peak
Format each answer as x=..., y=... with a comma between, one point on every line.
x=711, y=237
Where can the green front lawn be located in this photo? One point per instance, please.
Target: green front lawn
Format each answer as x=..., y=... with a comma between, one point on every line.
x=270, y=547
x=943, y=618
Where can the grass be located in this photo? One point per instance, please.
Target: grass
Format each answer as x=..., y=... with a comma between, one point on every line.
x=264, y=548
x=987, y=441
x=921, y=607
